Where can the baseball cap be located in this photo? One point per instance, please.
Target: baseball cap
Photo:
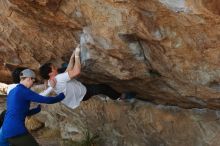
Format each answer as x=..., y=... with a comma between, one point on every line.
x=28, y=73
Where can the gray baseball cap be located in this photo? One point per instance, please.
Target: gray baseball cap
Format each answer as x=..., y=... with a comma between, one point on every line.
x=28, y=73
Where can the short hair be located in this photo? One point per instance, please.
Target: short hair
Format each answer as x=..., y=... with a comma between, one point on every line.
x=45, y=70
x=16, y=74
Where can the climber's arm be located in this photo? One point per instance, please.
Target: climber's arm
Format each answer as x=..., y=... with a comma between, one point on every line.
x=76, y=70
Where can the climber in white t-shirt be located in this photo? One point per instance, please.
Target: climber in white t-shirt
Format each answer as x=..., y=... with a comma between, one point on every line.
x=74, y=90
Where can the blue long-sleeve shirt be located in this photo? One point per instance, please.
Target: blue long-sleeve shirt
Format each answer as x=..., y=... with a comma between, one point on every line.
x=34, y=111
x=18, y=104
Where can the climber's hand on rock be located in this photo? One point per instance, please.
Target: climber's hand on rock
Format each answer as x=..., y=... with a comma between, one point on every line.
x=77, y=51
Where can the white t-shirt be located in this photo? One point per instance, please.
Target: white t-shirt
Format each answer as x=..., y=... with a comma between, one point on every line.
x=10, y=87
x=73, y=90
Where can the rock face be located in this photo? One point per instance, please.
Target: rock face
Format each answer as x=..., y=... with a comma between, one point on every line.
x=167, y=51
x=137, y=124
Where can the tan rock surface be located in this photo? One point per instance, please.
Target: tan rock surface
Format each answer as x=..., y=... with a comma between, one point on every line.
x=137, y=124
x=167, y=51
